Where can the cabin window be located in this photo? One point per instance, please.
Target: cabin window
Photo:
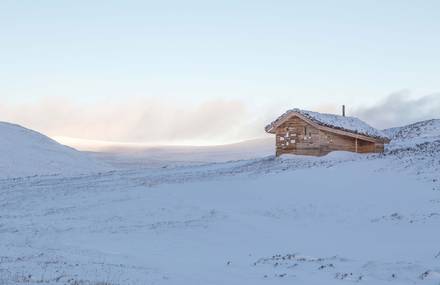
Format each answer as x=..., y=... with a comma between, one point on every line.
x=329, y=139
x=305, y=130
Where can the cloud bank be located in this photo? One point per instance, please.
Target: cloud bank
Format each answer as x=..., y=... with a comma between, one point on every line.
x=399, y=109
x=152, y=121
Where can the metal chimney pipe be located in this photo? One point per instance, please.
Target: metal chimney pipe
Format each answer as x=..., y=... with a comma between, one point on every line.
x=343, y=110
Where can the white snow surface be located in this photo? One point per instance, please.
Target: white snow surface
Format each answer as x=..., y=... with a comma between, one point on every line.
x=339, y=219
x=24, y=152
x=345, y=123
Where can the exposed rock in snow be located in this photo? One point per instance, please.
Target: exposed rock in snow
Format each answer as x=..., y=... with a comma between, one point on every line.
x=24, y=152
x=349, y=124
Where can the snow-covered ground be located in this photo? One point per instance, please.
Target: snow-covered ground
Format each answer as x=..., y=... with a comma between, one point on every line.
x=339, y=219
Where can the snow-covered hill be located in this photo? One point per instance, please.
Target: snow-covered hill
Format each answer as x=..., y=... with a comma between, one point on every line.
x=420, y=132
x=24, y=152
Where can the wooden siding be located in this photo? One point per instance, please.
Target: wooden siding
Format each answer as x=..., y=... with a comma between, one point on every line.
x=296, y=136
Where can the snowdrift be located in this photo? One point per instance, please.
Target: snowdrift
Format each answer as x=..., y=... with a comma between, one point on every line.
x=24, y=152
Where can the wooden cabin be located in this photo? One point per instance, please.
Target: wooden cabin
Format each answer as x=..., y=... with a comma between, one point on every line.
x=312, y=133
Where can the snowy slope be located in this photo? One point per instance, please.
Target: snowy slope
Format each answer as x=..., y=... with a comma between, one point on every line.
x=420, y=132
x=24, y=152
x=266, y=221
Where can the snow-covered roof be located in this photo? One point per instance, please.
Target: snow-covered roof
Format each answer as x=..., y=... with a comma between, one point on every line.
x=348, y=124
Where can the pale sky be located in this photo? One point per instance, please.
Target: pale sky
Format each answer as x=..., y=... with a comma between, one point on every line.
x=212, y=71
